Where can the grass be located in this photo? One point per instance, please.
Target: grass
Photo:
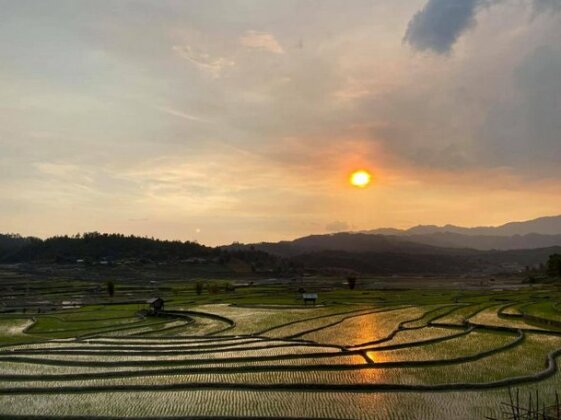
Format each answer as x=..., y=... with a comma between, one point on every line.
x=12, y=331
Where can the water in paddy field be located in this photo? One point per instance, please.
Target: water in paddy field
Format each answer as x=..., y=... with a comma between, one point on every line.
x=382, y=354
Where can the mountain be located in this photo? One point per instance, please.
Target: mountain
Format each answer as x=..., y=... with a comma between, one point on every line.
x=439, y=243
x=550, y=225
x=425, y=249
x=538, y=233
x=485, y=242
x=349, y=242
x=357, y=242
x=388, y=255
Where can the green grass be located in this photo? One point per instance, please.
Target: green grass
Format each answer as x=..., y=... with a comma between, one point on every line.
x=12, y=331
x=543, y=310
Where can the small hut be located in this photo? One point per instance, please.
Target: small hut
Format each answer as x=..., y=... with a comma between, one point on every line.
x=310, y=298
x=156, y=304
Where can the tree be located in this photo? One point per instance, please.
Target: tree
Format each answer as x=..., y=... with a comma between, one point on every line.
x=213, y=288
x=554, y=265
x=110, y=288
x=199, y=287
x=351, y=281
x=230, y=288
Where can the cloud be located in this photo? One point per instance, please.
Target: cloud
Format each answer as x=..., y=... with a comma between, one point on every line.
x=180, y=114
x=337, y=226
x=261, y=41
x=440, y=23
x=524, y=130
x=541, y=6
x=252, y=144
x=214, y=65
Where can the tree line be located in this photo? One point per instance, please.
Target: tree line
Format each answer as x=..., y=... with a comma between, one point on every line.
x=96, y=246
x=554, y=265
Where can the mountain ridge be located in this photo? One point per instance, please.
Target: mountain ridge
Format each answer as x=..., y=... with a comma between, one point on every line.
x=547, y=225
x=428, y=239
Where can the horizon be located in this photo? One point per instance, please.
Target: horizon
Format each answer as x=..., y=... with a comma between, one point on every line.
x=365, y=231
x=242, y=121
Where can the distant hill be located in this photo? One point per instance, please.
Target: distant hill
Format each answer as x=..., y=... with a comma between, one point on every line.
x=419, y=250
x=440, y=243
x=550, y=225
x=379, y=254
x=348, y=242
x=485, y=242
x=107, y=249
x=538, y=233
x=425, y=249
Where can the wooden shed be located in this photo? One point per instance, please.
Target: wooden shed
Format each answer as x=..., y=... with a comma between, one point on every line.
x=156, y=304
x=310, y=298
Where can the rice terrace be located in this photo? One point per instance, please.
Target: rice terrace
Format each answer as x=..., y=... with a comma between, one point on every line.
x=280, y=209
x=253, y=348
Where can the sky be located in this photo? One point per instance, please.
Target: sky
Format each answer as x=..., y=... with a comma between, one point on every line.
x=241, y=120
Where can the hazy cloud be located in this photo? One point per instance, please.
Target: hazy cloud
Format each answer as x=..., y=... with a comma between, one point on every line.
x=180, y=114
x=525, y=129
x=214, y=65
x=261, y=41
x=541, y=6
x=440, y=23
x=226, y=133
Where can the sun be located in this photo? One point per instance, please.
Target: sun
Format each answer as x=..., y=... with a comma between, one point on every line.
x=360, y=178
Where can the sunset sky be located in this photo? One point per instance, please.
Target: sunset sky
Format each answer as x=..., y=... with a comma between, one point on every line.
x=232, y=120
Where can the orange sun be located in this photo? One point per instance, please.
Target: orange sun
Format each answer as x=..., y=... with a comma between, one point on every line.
x=360, y=178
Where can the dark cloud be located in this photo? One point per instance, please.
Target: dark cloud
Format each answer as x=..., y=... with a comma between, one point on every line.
x=440, y=23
